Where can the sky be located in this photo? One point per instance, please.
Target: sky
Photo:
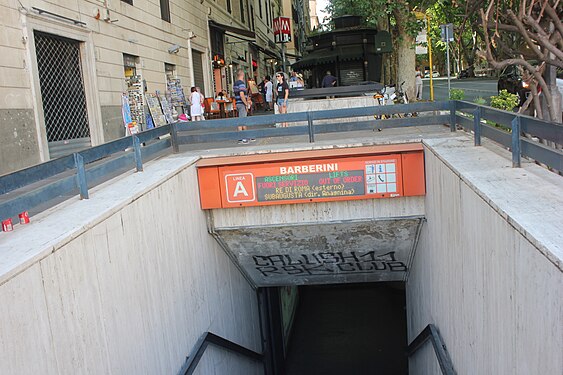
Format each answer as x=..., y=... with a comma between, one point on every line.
x=321, y=4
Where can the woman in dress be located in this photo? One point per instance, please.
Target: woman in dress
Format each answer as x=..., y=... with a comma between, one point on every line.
x=196, y=100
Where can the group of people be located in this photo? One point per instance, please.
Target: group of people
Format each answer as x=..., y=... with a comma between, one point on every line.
x=278, y=94
x=243, y=101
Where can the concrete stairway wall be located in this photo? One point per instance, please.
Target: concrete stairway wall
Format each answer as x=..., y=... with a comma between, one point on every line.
x=487, y=270
x=123, y=283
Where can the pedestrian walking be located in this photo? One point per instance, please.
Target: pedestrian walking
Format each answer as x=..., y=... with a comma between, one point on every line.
x=242, y=101
x=195, y=105
x=202, y=103
x=282, y=94
x=329, y=80
x=418, y=82
x=269, y=90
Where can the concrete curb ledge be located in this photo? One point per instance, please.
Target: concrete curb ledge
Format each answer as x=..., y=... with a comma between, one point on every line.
x=530, y=198
x=52, y=229
x=57, y=226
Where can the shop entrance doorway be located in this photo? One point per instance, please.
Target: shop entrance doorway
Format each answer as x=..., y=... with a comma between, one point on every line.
x=62, y=93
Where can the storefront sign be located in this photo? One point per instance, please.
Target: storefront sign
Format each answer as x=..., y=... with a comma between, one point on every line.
x=310, y=180
x=282, y=30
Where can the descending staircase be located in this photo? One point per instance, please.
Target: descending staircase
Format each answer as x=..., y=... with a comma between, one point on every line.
x=353, y=329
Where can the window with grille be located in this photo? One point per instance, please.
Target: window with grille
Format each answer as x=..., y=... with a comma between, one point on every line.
x=165, y=10
x=62, y=87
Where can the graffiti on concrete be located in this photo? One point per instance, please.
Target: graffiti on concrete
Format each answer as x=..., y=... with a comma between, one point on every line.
x=327, y=263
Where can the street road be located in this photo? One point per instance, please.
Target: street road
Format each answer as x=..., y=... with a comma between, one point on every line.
x=473, y=87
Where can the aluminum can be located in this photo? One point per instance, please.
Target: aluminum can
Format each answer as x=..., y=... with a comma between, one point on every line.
x=7, y=225
x=24, y=217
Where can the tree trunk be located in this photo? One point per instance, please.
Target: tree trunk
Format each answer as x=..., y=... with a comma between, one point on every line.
x=406, y=56
x=383, y=24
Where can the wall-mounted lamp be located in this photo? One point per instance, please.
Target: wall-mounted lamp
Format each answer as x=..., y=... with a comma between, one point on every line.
x=174, y=48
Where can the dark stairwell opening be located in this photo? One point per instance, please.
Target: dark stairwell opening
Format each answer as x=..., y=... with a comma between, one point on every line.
x=351, y=329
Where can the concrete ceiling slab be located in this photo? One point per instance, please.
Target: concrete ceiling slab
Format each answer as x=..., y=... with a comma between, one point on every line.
x=323, y=253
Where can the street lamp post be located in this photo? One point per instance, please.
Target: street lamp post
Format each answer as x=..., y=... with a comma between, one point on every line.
x=424, y=16
x=447, y=37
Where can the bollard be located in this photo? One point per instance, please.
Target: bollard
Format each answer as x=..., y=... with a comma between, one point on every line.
x=138, y=157
x=311, y=128
x=477, y=125
x=81, y=176
x=516, y=161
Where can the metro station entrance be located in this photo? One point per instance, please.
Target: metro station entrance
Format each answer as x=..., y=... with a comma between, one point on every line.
x=341, y=329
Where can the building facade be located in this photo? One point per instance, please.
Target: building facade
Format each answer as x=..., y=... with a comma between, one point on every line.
x=66, y=66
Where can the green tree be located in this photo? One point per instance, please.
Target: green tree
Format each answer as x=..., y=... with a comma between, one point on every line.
x=536, y=28
x=398, y=14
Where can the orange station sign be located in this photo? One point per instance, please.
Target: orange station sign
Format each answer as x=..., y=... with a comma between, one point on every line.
x=313, y=176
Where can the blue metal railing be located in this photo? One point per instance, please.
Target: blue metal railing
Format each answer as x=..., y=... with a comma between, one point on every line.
x=516, y=132
x=75, y=174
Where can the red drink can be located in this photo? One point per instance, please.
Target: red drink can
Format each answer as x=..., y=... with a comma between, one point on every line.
x=7, y=225
x=24, y=217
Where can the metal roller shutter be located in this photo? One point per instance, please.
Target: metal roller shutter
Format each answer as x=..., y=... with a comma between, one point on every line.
x=198, y=69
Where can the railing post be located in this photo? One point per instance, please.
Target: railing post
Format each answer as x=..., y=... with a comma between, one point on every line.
x=138, y=157
x=452, y=116
x=81, y=182
x=311, y=128
x=174, y=138
x=477, y=125
x=516, y=142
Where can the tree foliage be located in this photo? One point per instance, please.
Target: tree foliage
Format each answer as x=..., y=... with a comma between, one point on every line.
x=397, y=17
x=536, y=26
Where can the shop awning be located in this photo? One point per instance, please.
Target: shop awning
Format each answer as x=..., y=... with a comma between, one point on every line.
x=346, y=53
x=305, y=62
x=326, y=57
x=233, y=31
x=267, y=52
x=316, y=58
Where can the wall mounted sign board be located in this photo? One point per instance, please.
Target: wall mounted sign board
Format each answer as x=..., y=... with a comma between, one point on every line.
x=315, y=176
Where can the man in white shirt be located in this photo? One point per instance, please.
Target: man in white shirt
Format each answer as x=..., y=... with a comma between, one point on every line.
x=269, y=91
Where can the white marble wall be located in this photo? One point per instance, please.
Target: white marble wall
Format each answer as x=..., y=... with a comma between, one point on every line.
x=495, y=297
x=130, y=291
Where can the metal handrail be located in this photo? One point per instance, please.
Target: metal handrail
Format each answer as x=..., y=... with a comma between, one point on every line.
x=519, y=125
x=210, y=338
x=76, y=173
x=430, y=332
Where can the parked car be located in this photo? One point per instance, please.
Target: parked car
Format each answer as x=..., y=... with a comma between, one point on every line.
x=434, y=74
x=510, y=79
x=465, y=73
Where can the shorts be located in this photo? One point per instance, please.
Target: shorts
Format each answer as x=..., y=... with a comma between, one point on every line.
x=241, y=109
x=281, y=102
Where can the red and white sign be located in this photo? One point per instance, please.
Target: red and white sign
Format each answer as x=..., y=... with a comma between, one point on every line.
x=282, y=30
x=240, y=187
